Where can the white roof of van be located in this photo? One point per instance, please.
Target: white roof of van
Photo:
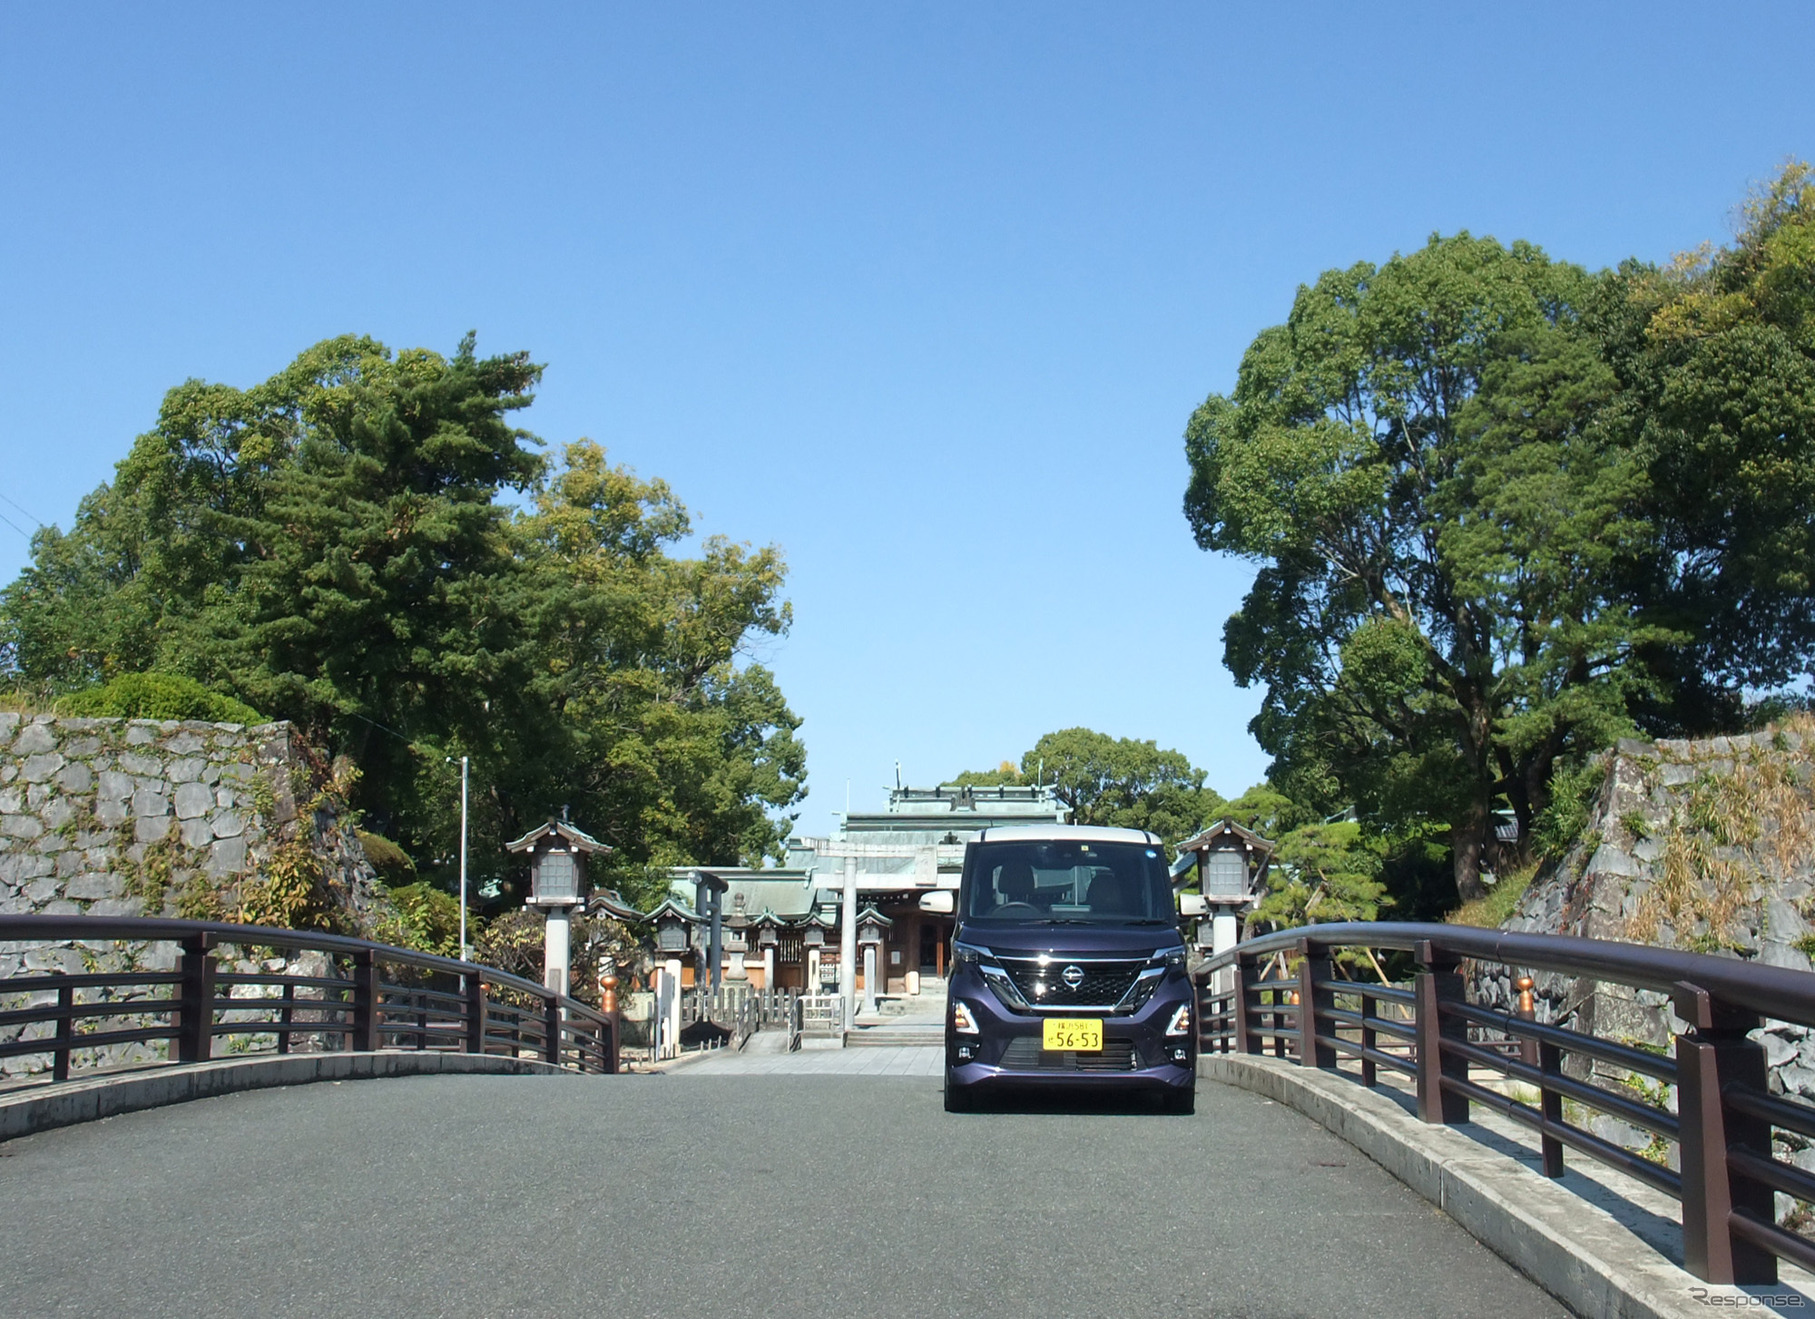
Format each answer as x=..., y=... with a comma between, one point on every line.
x=1072, y=833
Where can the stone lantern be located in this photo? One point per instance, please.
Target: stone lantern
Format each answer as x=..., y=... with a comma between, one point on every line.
x=768, y=941
x=673, y=929
x=1231, y=869
x=871, y=925
x=737, y=941
x=557, y=884
x=813, y=941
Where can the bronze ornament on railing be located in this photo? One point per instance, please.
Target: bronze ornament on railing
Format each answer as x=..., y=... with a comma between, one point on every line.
x=426, y=1003
x=1727, y=1174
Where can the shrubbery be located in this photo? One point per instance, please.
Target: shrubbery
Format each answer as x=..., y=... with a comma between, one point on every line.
x=158, y=696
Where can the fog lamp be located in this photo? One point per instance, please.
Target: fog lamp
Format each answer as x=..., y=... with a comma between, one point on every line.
x=1181, y=1021
x=1180, y=1054
x=962, y=1020
x=966, y=1052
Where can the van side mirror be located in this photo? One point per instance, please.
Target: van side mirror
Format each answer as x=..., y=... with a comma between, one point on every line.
x=940, y=903
x=1193, y=904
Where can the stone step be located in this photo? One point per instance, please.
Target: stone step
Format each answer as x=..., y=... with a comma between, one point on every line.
x=894, y=1037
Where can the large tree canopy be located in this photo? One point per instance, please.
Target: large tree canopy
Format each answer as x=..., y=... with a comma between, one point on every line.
x=1716, y=358
x=347, y=546
x=1121, y=782
x=1444, y=535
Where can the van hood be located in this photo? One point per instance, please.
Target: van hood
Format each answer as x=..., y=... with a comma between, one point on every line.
x=1035, y=937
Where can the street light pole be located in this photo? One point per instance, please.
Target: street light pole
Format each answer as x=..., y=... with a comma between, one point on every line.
x=463, y=762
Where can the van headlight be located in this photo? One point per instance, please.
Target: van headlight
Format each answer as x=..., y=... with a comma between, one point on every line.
x=963, y=1020
x=965, y=954
x=1181, y=1021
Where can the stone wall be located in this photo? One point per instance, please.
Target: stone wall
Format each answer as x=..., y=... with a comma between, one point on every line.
x=119, y=817
x=1707, y=846
x=124, y=816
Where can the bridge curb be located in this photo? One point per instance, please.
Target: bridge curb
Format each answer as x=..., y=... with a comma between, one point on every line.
x=1573, y=1249
x=71, y=1102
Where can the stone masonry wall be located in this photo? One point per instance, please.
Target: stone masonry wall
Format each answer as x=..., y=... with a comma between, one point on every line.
x=1704, y=845
x=119, y=817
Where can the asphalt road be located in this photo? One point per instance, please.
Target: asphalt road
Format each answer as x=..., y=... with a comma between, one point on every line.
x=718, y=1196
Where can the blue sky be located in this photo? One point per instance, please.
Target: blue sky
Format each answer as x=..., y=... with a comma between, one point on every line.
x=923, y=294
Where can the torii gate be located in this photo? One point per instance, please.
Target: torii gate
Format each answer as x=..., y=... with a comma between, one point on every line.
x=926, y=858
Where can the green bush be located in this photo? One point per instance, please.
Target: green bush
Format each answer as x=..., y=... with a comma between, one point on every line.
x=391, y=862
x=427, y=919
x=1573, y=789
x=158, y=696
x=1501, y=901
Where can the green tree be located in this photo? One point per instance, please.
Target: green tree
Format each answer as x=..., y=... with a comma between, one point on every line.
x=1443, y=533
x=1716, y=360
x=1118, y=782
x=685, y=746
x=1004, y=775
x=1322, y=873
x=338, y=547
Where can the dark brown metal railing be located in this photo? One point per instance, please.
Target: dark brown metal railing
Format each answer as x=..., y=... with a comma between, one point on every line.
x=1726, y=1174
x=426, y=1003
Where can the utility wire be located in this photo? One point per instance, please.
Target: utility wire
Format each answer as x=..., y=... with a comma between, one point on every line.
x=14, y=525
x=392, y=731
x=28, y=513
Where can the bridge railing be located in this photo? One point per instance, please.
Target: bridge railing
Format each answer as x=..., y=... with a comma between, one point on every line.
x=1707, y=1107
x=357, y=995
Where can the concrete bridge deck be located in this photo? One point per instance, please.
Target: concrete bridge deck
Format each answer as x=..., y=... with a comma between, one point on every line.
x=717, y=1195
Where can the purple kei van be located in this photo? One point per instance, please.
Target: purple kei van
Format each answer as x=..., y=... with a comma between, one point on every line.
x=1068, y=968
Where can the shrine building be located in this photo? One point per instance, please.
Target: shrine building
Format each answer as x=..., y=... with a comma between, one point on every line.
x=779, y=927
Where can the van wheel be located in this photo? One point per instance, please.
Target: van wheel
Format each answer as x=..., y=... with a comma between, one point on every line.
x=1183, y=1103
x=958, y=1099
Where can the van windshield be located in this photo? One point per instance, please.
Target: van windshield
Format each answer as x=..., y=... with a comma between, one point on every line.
x=1089, y=883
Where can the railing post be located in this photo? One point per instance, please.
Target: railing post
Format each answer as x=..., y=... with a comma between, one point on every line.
x=1201, y=1000
x=66, y=1029
x=1436, y=983
x=1246, y=1040
x=195, y=1030
x=1550, y=1104
x=1714, y=1053
x=285, y=1015
x=1314, y=966
x=608, y=1008
x=475, y=1013
x=551, y=1042
x=1369, y=1037
x=1548, y=1059
x=365, y=1001
x=1527, y=1010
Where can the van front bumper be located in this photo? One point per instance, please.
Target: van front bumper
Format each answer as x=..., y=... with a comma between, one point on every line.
x=1006, y=1051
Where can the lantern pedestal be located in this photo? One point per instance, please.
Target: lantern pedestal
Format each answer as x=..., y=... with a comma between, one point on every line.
x=557, y=949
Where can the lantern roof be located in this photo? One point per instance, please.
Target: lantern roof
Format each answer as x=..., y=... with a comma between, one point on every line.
x=611, y=903
x=768, y=920
x=1226, y=833
x=581, y=841
x=870, y=916
x=677, y=909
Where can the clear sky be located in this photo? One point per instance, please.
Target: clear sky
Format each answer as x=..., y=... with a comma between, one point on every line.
x=921, y=293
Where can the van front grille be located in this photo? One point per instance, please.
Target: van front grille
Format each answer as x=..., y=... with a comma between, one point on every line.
x=1024, y=1054
x=1099, y=984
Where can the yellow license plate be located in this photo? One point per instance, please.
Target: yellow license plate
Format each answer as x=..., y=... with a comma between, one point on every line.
x=1076, y=1035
